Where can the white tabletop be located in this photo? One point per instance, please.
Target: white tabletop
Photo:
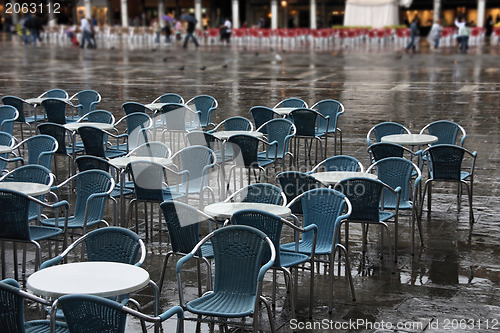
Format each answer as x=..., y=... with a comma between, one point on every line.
x=155, y=106
x=227, y=209
x=38, y=100
x=104, y=279
x=334, y=177
x=224, y=135
x=5, y=149
x=76, y=126
x=121, y=162
x=409, y=139
x=284, y=111
x=32, y=189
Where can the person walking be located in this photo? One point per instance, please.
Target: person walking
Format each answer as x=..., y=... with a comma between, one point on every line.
x=86, y=32
x=460, y=24
x=464, y=38
x=191, y=27
x=435, y=33
x=414, y=32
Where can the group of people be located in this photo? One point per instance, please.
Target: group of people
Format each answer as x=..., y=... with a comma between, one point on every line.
x=30, y=28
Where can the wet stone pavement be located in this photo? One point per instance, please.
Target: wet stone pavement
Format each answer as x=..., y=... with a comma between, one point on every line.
x=450, y=284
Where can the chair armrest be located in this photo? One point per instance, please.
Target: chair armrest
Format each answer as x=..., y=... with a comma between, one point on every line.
x=51, y=262
x=177, y=310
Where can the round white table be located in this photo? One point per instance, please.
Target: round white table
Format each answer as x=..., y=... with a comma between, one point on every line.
x=33, y=189
x=283, y=111
x=227, y=209
x=76, y=126
x=334, y=177
x=224, y=135
x=38, y=100
x=122, y=162
x=155, y=106
x=5, y=149
x=409, y=139
x=104, y=279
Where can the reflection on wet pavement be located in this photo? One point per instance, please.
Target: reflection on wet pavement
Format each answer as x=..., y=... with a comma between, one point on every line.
x=450, y=278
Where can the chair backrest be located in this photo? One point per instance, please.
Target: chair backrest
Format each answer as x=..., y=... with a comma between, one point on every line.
x=133, y=107
x=323, y=207
x=364, y=195
x=18, y=103
x=245, y=149
x=386, y=128
x=55, y=109
x=55, y=93
x=8, y=115
x=260, y=193
x=182, y=223
x=113, y=244
x=381, y=150
x=152, y=149
x=56, y=131
x=331, y=108
x=12, y=307
x=41, y=148
x=205, y=104
x=237, y=124
x=291, y=103
x=279, y=130
x=445, y=161
x=89, y=100
x=339, y=163
x=6, y=139
x=89, y=313
x=91, y=182
x=148, y=177
x=169, y=98
x=305, y=121
x=266, y=222
x=89, y=162
x=196, y=159
x=201, y=138
x=261, y=115
x=14, y=218
x=137, y=123
x=293, y=184
x=394, y=172
x=93, y=140
x=239, y=252
x=446, y=132
x=173, y=116
x=98, y=116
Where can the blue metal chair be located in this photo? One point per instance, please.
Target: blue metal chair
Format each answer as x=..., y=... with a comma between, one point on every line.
x=239, y=253
x=183, y=223
x=21, y=119
x=31, y=174
x=293, y=184
x=246, y=155
x=398, y=172
x=279, y=131
x=446, y=131
x=151, y=185
x=446, y=164
x=55, y=93
x=133, y=107
x=260, y=193
x=332, y=109
x=234, y=124
x=261, y=115
x=200, y=138
x=88, y=99
x=6, y=139
x=198, y=161
x=326, y=208
x=12, y=311
x=89, y=313
x=385, y=128
x=136, y=126
x=39, y=148
x=291, y=103
x=174, y=120
x=8, y=116
x=152, y=149
x=365, y=196
x=56, y=111
x=169, y=98
x=97, y=116
x=339, y=163
x=16, y=228
x=204, y=106
x=306, y=123
x=92, y=187
x=95, y=142
x=272, y=225
x=381, y=150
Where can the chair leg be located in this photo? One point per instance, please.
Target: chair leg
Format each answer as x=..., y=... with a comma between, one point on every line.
x=163, y=270
x=269, y=314
x=348, y=269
